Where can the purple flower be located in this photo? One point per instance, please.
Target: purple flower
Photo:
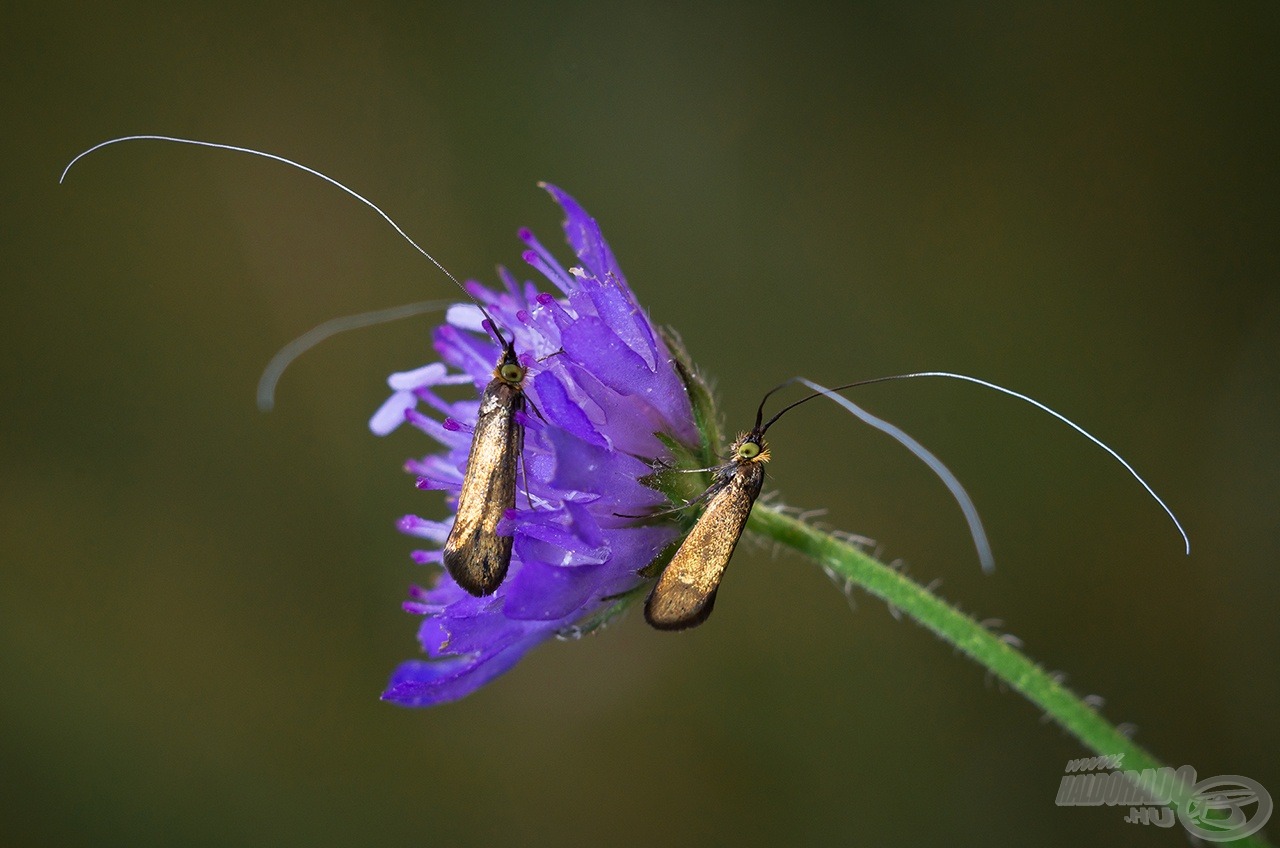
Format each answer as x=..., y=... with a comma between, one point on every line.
x=610, y=401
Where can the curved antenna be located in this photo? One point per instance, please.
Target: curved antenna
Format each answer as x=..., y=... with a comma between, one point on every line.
x=970, y=511
x=783, y=385
x=1037, y=404
x=330, y=180
x=287, y=354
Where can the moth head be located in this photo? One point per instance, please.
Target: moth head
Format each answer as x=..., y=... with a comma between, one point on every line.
x=750, y=447
x=510, y=370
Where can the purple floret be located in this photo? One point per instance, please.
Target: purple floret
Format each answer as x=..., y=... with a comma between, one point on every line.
x=604, y=383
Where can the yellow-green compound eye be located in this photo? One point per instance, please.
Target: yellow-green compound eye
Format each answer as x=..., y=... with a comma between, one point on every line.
x=748, y=450
x=511, y=372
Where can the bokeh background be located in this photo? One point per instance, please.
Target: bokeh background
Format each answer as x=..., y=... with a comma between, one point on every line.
x=199, y=604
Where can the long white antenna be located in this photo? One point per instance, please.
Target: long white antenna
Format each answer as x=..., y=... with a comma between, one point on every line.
x=1065, y=420
x=217, y=146
x=870, y=419
x=271, y=374
x=957, y=491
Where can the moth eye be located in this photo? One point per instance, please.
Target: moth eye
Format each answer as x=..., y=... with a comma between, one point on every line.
x=511, y=373
x=748, y=450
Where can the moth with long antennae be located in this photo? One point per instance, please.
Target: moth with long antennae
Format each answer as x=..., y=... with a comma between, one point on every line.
x=474, y=554
x=685, y=591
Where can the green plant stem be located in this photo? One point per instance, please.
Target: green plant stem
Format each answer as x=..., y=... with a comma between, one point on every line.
x=996, y=655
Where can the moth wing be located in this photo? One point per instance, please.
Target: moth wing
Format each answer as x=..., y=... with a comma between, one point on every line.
x=474, y=554
x=686, y=590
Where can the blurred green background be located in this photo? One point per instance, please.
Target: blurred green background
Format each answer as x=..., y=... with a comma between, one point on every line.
x=200, y=603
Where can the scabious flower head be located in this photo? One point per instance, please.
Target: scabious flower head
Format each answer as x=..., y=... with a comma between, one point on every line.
x=610, y=400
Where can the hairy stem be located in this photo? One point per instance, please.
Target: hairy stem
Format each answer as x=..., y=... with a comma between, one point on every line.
x=999, y=657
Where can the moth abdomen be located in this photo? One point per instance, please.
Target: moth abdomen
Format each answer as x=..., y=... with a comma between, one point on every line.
x=479, y=564
x=679, y=608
